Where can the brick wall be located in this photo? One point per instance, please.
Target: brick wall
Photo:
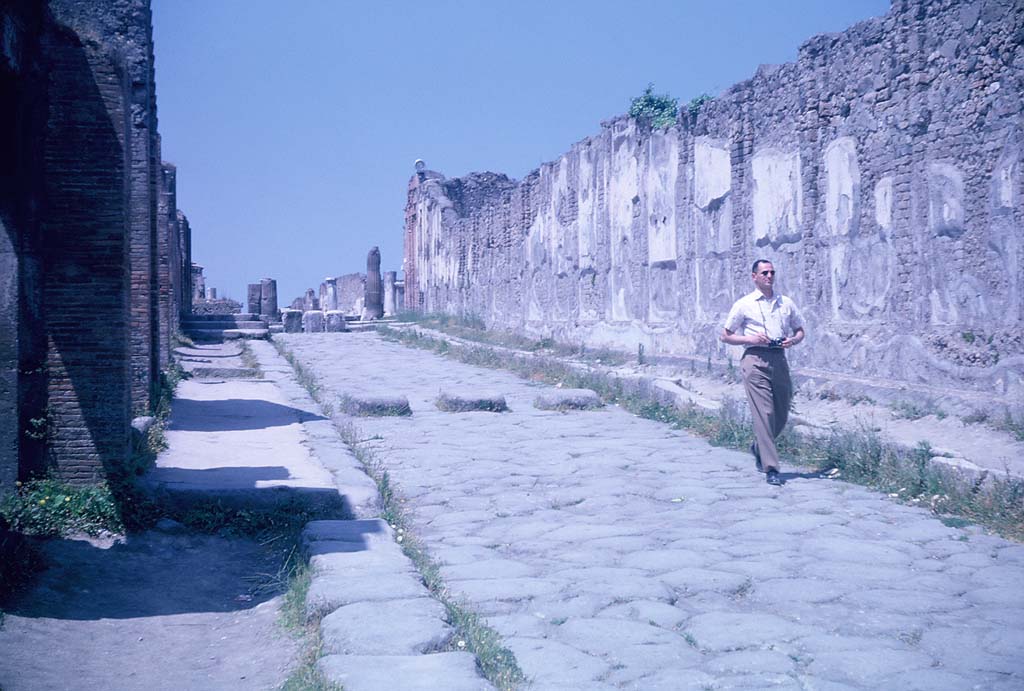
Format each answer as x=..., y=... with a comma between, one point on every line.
x=88, y=298
x=881, y=172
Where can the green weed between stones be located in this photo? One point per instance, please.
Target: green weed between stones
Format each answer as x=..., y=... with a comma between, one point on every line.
x=496, y=662
x=249, y=358
x=857, y=455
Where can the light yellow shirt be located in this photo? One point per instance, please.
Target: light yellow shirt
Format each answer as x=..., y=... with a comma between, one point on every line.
x=776, y=317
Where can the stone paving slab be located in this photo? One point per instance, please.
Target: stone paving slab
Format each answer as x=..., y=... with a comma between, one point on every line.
x=607, y=516
x=449, y=671
x=395, y=627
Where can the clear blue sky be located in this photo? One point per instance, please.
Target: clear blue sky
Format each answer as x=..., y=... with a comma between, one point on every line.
x=294, y=125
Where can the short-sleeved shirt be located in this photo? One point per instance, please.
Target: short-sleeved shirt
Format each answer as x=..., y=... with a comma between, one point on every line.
x=777, y=316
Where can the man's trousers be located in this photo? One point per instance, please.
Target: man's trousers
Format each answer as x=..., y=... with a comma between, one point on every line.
x=769, y=392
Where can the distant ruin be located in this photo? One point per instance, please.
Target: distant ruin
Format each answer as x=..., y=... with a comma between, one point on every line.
x=881, y=172
x=95, y=257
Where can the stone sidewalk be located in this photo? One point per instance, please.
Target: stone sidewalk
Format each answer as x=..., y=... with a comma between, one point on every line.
x=613, y=552
x=253, y=437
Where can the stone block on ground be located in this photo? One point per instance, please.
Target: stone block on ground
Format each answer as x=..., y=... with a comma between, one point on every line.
x=448, y=671
x=465, y=401
x=313, y=321
x=396, y=627
x=365, y=533
x=334, y=321
x=329, y=591
x=291, y=320
x=568, y=399
x=374, y=406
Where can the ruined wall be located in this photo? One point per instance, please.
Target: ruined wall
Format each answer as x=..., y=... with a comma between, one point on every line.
x=89, y=256
x=22, y=348
x=881, y=172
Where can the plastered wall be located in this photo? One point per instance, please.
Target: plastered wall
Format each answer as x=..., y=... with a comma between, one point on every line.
x=881, y=173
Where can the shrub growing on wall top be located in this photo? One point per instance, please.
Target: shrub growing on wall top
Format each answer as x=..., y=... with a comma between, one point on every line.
x=658, y=109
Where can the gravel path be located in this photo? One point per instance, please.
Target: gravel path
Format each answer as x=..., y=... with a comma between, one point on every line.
x=613, y=552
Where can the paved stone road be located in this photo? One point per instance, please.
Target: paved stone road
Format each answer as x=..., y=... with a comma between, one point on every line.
x=613, y=552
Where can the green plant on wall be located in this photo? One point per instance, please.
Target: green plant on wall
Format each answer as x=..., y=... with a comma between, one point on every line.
x=658, y=109
x=695, y=104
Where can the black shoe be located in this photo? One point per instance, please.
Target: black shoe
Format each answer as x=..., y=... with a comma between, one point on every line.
x=773, y=478
x=757, y=457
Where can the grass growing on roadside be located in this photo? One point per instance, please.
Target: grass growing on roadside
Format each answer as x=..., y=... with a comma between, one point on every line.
x=496, y=662
x=249, y=359
x=857, y=455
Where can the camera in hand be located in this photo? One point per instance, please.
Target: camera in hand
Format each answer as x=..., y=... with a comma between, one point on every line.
x=776, y=342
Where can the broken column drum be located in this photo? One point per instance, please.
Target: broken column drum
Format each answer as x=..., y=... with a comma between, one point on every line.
x=373, y=304
x=268, y=298
x=389, y=292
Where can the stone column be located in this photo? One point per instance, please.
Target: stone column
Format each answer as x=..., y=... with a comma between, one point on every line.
x=254, y=298
x=310, y=302
x=292, y=321
x=213, y=293
x=334, y=321
x=389, y=292
x=373, y=303
x=330, y=302
x=268, y=298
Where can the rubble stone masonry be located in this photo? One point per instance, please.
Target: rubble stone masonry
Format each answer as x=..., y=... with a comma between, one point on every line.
x=881, y=173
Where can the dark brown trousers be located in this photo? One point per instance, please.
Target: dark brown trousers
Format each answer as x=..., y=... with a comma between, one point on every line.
x=769, y=392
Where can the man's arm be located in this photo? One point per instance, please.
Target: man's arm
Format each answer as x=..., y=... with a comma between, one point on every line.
x=797, y=336
x=733, y=338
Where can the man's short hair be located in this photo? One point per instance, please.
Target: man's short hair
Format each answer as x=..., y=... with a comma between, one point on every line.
x=753, y=269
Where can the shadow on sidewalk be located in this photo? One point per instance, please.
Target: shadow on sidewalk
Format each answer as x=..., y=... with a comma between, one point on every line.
x=233, y=414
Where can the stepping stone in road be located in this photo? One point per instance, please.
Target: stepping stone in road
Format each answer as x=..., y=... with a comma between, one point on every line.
x=465, y=401
x=374, y=406
x=568, y=399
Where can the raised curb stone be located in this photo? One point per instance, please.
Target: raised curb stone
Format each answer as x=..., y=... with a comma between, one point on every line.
x=448, y=671
x=397, y=627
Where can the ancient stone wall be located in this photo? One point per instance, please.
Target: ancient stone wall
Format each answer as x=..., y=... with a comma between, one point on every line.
x=91, y=237
x=881, y=172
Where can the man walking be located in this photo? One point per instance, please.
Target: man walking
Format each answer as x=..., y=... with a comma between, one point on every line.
x=766, y=324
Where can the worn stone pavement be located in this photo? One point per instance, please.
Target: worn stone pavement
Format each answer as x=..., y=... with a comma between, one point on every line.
x=613, y=552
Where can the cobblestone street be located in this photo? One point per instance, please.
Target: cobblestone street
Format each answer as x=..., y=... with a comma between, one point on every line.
x=615, y=552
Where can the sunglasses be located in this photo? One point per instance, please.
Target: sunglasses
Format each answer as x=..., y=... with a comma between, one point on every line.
x=769, y=272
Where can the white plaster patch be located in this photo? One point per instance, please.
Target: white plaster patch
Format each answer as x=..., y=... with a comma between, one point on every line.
x=712, y=166
x=623, y=189
x=1005, y=176
x=842, y=186
x=777, y=197
x=945, y=200
x=586, y=224
x=660, y=185
x=883, y=202
x=711, y=186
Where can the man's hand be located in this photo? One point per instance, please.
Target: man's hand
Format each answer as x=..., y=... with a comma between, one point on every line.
x=794, y=339
x=758, y=340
